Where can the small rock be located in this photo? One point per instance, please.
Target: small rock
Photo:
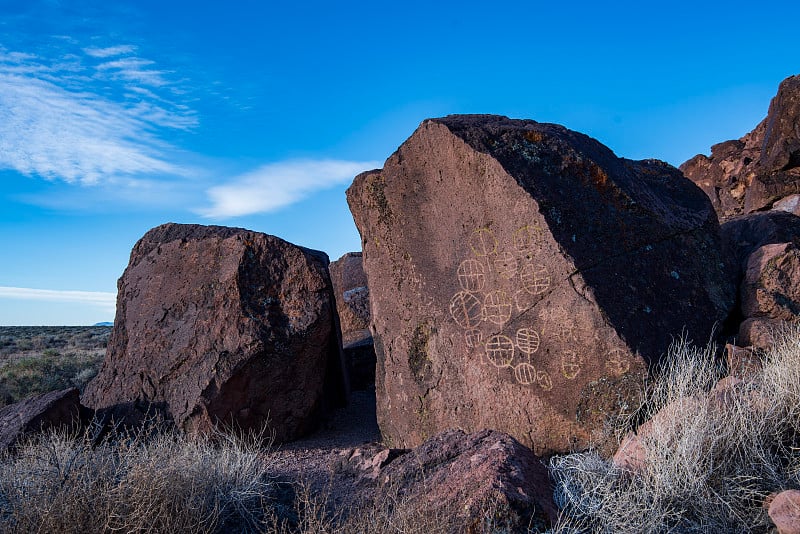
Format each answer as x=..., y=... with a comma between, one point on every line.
x=55, y=409
x=784, y=510
x=742, y=361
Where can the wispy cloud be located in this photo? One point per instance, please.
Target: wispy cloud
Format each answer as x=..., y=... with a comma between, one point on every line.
x=103, y=300
x=276, y=185
x=70, y=117
x=110, y=51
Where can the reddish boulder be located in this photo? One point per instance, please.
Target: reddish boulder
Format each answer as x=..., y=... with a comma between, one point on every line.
x=55, y=409
x=523, y=277
x=771, y=286
x=759, y=332
x=461, y=476
x=222, y=326
x=784, y=511
x=745, y=234
x=761, y=168
x=352, y=303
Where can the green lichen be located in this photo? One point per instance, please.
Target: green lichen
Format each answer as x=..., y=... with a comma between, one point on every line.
x=419, y=362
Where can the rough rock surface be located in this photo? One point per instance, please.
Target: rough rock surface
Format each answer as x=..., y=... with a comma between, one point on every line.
x=352, y=302
x=48, y=410
x=744, y=235
x=784, y=510
x=757, y=171
x=461, y=474
x=523, y=276
x=771, y=286
x=220, y=325
x=759, y=332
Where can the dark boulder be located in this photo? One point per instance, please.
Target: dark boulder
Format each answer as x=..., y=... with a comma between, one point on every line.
x=222, y=326
x=55, y=409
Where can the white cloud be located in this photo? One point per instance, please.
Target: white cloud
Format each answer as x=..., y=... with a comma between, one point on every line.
x=276, y=185
x=55, y=123
x=95, y=298
x=110, y=51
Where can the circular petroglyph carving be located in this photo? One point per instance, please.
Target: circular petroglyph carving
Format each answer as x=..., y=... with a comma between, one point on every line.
x=528, y=340
x=466, y=309
x=525, y=373
x=506, y=265
x=471, y=275
x=544, y=380
x=525, y=238
x=616, y=362
x=535, y=278
x=482, y=242
x=570, y=364
x=500, y=350
x=473, y=337
x=497, y=307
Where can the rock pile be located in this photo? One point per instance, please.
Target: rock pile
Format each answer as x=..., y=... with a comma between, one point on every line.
x=222, y=326
x=523, y=278
x=761, y=170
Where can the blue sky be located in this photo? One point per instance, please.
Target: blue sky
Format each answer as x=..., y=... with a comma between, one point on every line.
x=119, y=116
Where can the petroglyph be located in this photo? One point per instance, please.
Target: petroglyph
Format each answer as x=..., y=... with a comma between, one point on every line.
x=544, y=380
x=471, y=275
x=466, y=309
x=558, y=324
x=616, y=362
x=500, y=350
x=527, y=237
x=473, y=338
x=525, y=373
x=535, y=278
x=571, y=363
x=528, y=340
x=497, y=307
x=483, y=242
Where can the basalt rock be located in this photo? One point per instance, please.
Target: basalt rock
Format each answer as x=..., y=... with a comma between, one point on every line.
x=459, y=477
x=220, y=326
x=524, y=278
x=352, y=303
x=762, y=169
x=771, y=286
x=55, y=409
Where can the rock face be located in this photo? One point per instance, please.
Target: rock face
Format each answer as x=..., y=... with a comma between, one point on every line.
x=523, y=277
x=459, y=476
x=49, y=410
x=762, y=249
x=225, y=326
x=762, y=169
x=771, y=285
x=352, y=303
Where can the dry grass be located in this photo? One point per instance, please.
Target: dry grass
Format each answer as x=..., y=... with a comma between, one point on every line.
x=151, y=481
x=709, y=465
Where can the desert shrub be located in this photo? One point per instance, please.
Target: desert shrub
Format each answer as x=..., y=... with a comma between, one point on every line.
x=149, y=481
x=709, y=465
x=32, y=375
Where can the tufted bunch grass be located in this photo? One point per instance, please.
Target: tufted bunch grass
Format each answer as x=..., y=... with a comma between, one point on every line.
x=153, y=480
x=712, y=456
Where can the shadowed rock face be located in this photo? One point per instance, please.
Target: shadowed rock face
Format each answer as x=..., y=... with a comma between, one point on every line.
x=762, y=169
x=523, y=277
x=55, y=409
x=221, y=325
x=352, y=303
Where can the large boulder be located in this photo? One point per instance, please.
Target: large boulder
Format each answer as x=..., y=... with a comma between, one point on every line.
x=523, y=277
x=771, y=286
x=55, y=409
x=762, y=169
x=352, y=303
x=222, y=326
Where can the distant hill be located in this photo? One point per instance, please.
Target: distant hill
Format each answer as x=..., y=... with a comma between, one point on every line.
x=104, y=323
